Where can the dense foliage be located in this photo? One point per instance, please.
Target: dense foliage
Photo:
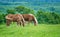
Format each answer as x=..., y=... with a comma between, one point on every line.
x=48, y=17
x=42, y=17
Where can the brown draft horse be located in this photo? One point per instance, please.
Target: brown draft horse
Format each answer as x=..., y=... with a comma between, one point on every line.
x=14, y=18
x=29, y=18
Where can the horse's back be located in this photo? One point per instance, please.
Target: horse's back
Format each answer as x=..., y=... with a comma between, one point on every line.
x=28, y=16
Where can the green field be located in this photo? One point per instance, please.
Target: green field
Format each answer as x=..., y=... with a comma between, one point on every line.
x=42, y=30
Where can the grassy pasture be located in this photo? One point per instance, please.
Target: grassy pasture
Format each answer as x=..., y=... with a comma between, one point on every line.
x=42, y=30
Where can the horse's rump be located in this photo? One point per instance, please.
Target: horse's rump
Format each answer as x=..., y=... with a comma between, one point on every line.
x=9, y=16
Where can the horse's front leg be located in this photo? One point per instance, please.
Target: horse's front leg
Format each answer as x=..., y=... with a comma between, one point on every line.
x=19, y=23
x=23, y=23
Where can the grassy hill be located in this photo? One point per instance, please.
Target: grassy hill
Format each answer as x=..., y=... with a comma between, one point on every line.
x=42, y=30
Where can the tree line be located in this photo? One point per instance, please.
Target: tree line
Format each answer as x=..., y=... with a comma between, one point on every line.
x=42, y=17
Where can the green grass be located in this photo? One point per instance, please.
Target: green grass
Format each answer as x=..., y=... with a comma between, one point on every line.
x=42, y=30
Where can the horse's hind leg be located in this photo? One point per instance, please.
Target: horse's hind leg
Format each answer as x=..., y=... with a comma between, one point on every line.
x=8, y=22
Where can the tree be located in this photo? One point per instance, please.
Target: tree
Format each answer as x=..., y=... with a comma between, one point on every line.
x=2, y=18
x=48, y=17
x=11, y=11
x=40, y=16
x=24, y=10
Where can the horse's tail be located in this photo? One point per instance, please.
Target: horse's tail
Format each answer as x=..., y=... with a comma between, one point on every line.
x=8, y=18
x=35, y=21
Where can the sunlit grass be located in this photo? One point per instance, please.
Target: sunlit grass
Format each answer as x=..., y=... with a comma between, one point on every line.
x=42, y=30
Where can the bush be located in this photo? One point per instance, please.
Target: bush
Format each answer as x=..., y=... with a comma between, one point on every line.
x=47, y=17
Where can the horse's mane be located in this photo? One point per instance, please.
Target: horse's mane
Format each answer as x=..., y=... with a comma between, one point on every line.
x=35, y=20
